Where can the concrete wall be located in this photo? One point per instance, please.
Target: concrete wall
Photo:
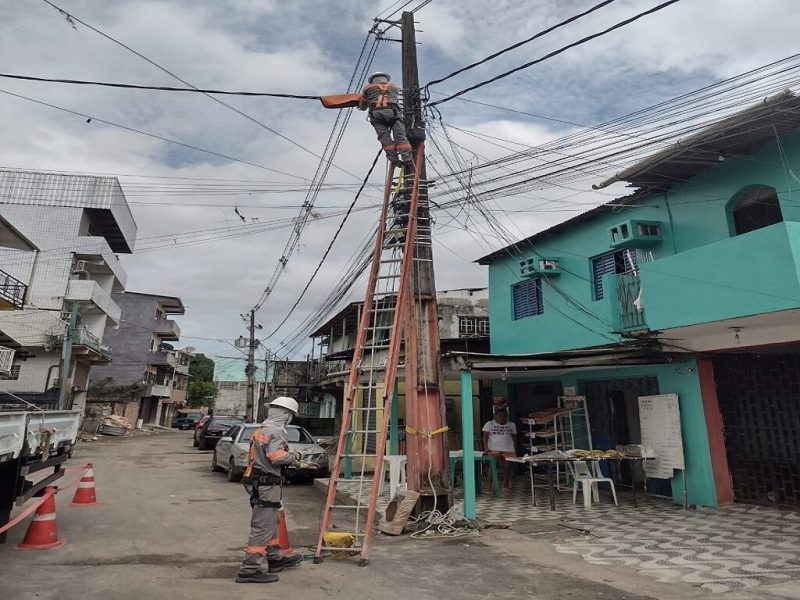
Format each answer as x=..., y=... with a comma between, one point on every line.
x=455, y=303
x=130, y=343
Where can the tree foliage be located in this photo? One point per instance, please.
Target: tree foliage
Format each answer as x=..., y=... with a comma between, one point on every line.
x=106, y=390
x=201, y=368
x=201, y=393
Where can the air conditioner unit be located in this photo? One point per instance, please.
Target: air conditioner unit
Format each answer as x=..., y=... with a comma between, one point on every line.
x=80, y=267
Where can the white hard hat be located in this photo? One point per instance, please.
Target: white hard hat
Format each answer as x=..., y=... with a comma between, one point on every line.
x=379, y=74
x=287, y=403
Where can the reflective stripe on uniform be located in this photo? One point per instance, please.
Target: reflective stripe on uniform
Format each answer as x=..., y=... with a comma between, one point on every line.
x=277, y=454
x=255, y=549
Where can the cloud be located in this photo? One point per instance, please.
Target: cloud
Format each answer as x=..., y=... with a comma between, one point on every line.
x=292, y=47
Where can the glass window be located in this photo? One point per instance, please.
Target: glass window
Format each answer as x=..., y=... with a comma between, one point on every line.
x=527, y=298
x=755, y=208
x=298, y=435
x=469, y=326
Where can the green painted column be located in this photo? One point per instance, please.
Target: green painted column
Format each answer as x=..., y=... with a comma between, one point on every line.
x=348, y=450
x=468, y=443
x=394, y=422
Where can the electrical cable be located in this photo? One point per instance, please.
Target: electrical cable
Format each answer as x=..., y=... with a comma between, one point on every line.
x=549, y=55
x=183, y=81
x=330, y=245
x=151, y=135
x=521, y=43
x=160, y=88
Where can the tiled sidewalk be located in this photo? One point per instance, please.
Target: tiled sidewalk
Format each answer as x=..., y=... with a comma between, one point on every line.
x=720, y=550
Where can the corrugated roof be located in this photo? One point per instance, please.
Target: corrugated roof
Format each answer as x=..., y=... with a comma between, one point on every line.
x=229, y=368
x=733, y=136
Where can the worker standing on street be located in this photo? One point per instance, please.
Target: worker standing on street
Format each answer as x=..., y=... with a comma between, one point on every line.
x=269, y=452
x=382, y=98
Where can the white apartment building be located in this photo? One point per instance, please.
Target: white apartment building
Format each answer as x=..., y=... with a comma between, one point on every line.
x=78, y=224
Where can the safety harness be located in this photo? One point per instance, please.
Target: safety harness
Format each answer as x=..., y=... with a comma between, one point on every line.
x=383, y=98
x=258, y=479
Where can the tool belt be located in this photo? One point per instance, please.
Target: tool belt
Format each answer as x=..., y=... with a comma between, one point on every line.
x=260, y=478
x=393, y=107
x=256, y=501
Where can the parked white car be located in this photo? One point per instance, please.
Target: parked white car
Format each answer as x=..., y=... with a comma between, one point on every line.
x=233, y=448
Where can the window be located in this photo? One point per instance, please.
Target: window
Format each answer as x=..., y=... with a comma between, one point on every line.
x=755, y=208
x=527, y=298
x=469, y=326
x=621, y=262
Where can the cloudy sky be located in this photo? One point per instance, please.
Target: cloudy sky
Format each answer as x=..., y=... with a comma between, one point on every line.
x=180, y=195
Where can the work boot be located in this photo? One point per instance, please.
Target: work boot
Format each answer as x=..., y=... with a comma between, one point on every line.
x=256, y=577
x=284, y=562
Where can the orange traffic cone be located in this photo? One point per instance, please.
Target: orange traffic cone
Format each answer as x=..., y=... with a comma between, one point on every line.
x=283, y=534
x=42, y=533
x=85, y=495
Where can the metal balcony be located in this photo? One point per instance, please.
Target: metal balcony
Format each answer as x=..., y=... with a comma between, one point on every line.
x=12, y=292
x=83, y=338
x=630, y=303
x=6, y=360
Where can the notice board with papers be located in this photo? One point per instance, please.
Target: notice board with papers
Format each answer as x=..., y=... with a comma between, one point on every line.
x=660, y=420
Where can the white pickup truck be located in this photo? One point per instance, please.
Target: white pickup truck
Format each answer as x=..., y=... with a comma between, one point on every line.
x=31, y=442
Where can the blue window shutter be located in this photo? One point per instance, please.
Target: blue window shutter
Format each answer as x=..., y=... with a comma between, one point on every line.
x=527, y=298
x=601, y=265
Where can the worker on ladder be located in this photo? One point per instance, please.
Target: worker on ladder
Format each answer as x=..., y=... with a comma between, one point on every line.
x=382, y=98
x=269, y=453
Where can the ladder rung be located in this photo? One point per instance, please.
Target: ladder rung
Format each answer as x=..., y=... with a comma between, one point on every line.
x=350, y=506
x=359, y=456
x=365, y=408
x=336, y=549
x=392, y=260
x=392, y=309
x=389, y=276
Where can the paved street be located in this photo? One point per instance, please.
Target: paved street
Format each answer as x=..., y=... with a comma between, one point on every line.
x=169, y=527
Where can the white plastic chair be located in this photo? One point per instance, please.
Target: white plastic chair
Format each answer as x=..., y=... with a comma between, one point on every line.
x=397, y=473
x=588, y=480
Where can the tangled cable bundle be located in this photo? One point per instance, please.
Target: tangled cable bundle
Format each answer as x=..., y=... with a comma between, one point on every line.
x=441, y=525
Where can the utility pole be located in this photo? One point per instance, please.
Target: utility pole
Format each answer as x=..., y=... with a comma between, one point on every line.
x=66, y=357
x=251, y=369
x=425, y=408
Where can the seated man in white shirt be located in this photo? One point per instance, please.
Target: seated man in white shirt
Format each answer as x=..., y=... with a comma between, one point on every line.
x=500, y=441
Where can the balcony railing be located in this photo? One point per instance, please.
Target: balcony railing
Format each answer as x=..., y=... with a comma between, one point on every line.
x=631, y=307
x=84, y=337
x=6, y=360
x=12, y=290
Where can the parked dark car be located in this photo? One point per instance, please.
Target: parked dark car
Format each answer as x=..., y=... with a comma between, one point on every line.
x=186, y=419
x=213, y=429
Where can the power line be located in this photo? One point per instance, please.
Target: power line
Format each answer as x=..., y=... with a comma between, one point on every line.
x=161, y=88
x=521, y=43
x=330, y=245
x=183, y=81
x=149, y=134
x=555, y=52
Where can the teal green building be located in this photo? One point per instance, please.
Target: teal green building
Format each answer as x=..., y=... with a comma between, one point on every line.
x=690, y=286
